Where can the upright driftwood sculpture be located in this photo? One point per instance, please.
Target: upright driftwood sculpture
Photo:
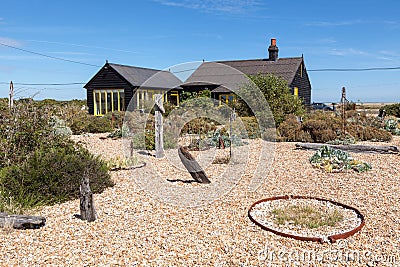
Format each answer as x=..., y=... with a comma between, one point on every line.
x=159, y=141
x=88, y=211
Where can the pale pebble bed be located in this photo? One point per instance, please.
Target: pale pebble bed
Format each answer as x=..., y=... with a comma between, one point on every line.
x=134, y=229
x=263, y=214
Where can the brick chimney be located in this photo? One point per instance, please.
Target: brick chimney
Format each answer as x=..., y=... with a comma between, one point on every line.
x=273, y=50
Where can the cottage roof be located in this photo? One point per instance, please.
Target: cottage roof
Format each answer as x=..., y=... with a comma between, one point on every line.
x=220, y=72
x=285, y=68
x=145, y=77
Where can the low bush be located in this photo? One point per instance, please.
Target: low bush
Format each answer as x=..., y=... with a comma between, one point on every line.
x=86, y=123
x=199, y=126
x=291, y=130
x=251, y=127
x=327, y=127
x=38, y=165
x=393, y=109
x=53, y=174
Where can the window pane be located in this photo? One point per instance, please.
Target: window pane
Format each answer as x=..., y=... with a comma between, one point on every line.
x=103, y=103
x=115, y=101
x=121, y=101
x=97, y=103
x=109, y=102
x=223, y=98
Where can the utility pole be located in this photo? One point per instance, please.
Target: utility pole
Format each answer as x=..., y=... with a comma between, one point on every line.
x=11, y=96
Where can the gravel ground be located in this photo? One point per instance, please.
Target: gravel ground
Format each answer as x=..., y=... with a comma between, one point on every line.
x=135, y=229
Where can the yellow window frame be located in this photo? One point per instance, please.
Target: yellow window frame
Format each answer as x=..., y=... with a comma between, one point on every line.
x=296, y=91
x=98, y=104
x=221, y=101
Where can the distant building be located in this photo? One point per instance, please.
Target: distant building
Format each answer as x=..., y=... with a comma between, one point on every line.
x=114, y=85
x=292, y=70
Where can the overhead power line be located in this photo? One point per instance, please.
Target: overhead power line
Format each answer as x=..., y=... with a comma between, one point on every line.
x=357, y=69
x=44, y=55
x=45, y=84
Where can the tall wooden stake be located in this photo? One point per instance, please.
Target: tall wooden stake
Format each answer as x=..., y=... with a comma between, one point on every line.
x=343, y=102
x=231, y=119
x=159, y=140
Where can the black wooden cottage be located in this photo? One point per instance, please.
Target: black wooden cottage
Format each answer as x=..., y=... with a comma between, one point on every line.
x=217, y=78
x=113, y=87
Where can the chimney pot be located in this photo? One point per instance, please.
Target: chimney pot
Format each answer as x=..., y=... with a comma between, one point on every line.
x=273, y=50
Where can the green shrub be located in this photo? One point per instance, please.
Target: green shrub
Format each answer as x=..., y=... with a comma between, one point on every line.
x=199, y=126
x=86, y=123
x=37, y=164
x=393, y=109
x=278, y=95
x=251, y=127
x=320, y=130
x=327, y=127
x=53, y=174
x=291, y=130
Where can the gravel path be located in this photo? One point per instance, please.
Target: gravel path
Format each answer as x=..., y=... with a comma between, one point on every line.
x=135, y=229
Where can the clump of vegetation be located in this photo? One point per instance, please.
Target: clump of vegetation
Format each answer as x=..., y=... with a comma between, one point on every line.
x=392, y=126
x=336, y=160
x=327, y=127
x=278, y=95
x=393, y=109
x=59, y=126
x=221, y=159
x=144, y=138
x=306, y=216
x=122, y=163
x=37, y=164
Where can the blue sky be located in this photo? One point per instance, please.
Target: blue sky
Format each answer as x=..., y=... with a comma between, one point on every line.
x=161, y=33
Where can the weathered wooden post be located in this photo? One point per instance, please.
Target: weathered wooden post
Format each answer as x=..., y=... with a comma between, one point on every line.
x=88, y=212
x=159, y=140
x=232, y=118
x=11, y=96
x=343, y=100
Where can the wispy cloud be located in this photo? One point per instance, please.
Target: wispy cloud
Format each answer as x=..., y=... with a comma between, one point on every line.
x=224, y=6
x=328, y=40
x=208, y=36
x=386, y=55
x=334, y=23
x=69, y=53
x=82, y=45
x=10, y=41
x=347, y=51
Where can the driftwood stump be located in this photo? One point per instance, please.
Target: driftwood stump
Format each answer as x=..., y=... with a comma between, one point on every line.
x=352, y=148
x=192, y=166
x=88, y=212
x=21, y=221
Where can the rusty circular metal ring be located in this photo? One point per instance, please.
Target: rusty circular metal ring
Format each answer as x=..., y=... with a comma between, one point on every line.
x=331, y=238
